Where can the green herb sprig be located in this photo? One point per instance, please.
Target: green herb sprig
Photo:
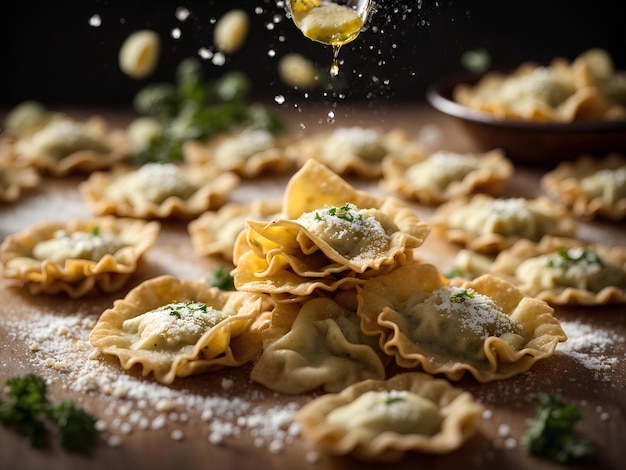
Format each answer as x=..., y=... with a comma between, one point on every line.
x=463, y=295
x=566, y=258
x=345, y=212
x=550, y=433
x=222, y=279
x=27, y=409
x=196, y=108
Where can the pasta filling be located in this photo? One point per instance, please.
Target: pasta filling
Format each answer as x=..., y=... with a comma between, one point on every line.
x=608, y=184
x=357, y=234
x=173, y=326
x=367, y=144
x=458, y=321
x=400, y=411
x=242, y=147
x=153, y=182
x=577, y=267
x=62, y=138
x=77, y=245
x=441, y=169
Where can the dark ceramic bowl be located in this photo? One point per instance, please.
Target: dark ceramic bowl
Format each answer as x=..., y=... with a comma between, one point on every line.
x=532, y=143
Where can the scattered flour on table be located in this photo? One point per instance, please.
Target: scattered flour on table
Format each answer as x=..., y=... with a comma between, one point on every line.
x=61, y=351
x=589, y=346
x=58, y=206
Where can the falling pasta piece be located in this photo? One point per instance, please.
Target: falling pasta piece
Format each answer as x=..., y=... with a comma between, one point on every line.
x=231, y=31
x=140, y=53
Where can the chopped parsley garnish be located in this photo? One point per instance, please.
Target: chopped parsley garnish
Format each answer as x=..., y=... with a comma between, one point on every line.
x=222, y=279
x=392, y=400
x=550, y=433
x=177, y=308
x=27, y=410
x=567, y=258
x=345, y=212
x=463, y=295
x=95, y=231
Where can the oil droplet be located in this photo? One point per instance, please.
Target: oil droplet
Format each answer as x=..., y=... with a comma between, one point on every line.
x=280, y=99
x=334, y=66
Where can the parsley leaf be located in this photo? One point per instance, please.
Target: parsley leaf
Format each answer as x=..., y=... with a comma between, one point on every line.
x=567, y=258
x=27, y=409
x=77, y=428
x=463, y=295
x=222, y=279
x=550, y=433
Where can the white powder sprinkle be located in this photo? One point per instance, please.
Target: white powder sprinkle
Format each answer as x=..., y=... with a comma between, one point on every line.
x=588, y=346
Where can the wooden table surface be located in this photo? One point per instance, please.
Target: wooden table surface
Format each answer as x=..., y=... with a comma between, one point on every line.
x=154, y=427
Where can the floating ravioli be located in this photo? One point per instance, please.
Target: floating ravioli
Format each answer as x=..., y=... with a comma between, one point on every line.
x=590, y=186
x=319, y=344
x=353, y=150
x=486, y=224
x=175, y=328
x=376, y=420
x=441, y=176
x=66, y=145
x=77, y=257
x=487, y=327
x=565, y=271
x=157, y=190
x=215, y=232
x=248, y=153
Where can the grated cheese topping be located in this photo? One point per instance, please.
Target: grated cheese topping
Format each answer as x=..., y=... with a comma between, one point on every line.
x=242, y=147
x=355, y=233
x=475, y=313
x=440, y=169
x=366, y=143
x=153, y=182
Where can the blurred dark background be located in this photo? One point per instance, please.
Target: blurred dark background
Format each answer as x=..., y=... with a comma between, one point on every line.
x=65, y=53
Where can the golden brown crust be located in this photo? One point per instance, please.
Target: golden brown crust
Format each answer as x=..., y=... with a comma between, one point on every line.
x=573, y=184
x=461, y=416
x=77, y=277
